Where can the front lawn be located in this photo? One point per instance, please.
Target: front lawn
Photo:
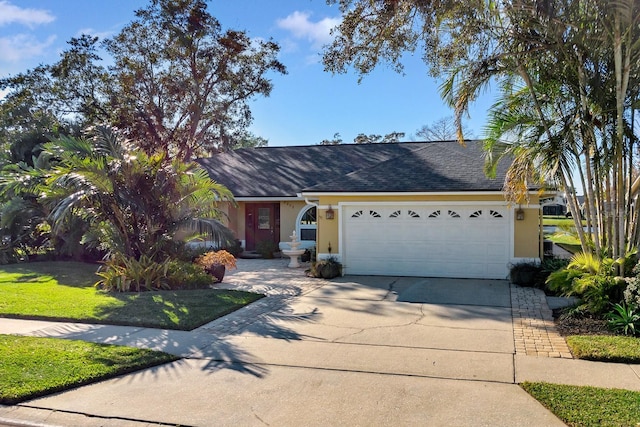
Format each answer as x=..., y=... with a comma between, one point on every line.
x=566, y=240
x=65, y=291
x=588, y=406
x=33, y=367
x=605, y=348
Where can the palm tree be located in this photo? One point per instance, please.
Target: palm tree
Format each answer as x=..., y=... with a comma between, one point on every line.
x=566, y=69
x=134, y=202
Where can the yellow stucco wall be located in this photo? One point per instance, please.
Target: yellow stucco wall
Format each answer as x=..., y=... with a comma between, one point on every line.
x=240, y=215
x=328, y=229
x=289, y=211
x=527, y=234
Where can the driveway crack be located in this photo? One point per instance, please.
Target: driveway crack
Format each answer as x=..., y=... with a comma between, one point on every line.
x=372, y=328
x=390, y=290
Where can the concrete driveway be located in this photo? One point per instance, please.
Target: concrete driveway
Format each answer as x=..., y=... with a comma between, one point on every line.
x=354, y=351
x=359, y=324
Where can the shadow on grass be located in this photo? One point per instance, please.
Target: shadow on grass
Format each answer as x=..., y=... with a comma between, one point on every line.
x=182, y=310
x=72, y=274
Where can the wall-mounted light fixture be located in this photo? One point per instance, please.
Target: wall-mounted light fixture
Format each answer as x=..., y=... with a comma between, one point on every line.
x=519, y=213
x=329, y=214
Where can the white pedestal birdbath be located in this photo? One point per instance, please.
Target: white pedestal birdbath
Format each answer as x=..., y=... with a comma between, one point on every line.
x=294, y=252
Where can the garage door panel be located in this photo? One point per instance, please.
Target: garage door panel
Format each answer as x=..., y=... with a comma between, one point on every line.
x=439, y=241
x=497, y=248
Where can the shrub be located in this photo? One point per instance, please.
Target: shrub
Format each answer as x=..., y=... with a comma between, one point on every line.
x=122, y=274
x=551, y=264
x=306, y=256
x=524, y=273
x=561, y=281
x=191, y=253
x=187, y=275
x=591, y=279
x=125, y=274
x=266, y=248
x=598, y=292
x=632, y=291
x=624, y=319
x=547, y=267
x=630, y=263
x=326, y=269
x=636, y=270
x=234, y=249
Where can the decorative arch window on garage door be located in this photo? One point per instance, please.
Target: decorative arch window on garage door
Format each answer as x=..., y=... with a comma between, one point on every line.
x=492, y=213
x=408, y=214
x=366, y=214
x=438, y=213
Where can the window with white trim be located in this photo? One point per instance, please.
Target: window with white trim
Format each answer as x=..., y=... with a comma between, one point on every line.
x=308, y=224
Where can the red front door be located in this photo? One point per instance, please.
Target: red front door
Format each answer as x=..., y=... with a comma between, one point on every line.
x=262, y=223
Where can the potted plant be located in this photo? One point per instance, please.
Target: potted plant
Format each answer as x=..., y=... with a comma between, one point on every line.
x=216, y=263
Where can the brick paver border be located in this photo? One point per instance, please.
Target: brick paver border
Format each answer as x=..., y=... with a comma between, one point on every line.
x=534, y=331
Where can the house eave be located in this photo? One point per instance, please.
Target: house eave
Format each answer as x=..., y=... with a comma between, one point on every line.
x=269, y=199
x=398, y=193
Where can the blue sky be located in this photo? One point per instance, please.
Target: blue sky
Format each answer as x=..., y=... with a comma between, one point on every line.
x=306, y=106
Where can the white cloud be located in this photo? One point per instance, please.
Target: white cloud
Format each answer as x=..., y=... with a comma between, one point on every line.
x=10, y=14
x=301, y=27
x=22, y=46
x=312, y=59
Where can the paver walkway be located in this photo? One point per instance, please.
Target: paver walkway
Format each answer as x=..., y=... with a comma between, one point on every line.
x=534, y=331
x=268, y=277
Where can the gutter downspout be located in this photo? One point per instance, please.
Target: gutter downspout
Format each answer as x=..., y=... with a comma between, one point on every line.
x=309, y=202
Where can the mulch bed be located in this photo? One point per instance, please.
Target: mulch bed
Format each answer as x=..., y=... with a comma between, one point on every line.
x=580, y=325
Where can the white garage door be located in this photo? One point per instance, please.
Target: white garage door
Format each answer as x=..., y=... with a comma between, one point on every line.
x=427, y=240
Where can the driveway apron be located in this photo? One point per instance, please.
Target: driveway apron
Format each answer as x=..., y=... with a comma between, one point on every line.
x=358, y=350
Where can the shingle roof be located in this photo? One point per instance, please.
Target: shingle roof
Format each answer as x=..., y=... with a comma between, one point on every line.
x=435, y=167
x=400, y=167
x=285, y=171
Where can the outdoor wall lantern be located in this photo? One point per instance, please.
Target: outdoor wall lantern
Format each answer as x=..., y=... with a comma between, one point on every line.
x=329, y=214
x=519, y=213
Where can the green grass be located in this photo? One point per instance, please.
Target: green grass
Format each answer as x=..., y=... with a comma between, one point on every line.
x=588, y=406
x=605, y=348
x=561, y=238
x=64, y=291
x=566, y=240
x=33, y=367
x=558, y=221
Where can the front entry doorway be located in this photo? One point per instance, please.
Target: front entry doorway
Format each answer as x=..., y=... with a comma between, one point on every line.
x=262, y=224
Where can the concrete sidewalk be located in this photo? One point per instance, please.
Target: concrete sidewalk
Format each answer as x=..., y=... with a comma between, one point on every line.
x=356, y=351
